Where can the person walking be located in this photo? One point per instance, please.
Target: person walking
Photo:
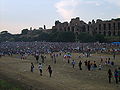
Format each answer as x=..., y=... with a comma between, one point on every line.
x=109, y=75
x=32, y=67
x=116, y=76
x=73, y=63
x=37, y=57
x=40, y=68
x=89, y=66
x=42, y=57
x=49, y=70
x=119, y=73
x=80, y=65
x=100, y=67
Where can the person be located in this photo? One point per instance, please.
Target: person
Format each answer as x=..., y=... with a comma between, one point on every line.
x=116, y=76
x=32, y=67
x=80, y=64
x=49, y=70
x=42, y=57
x=89, y=65
x=119, y=73
x=109, y=75
x=92, y=66
x=40, y=68
x=86, y=63
x=95, y=65
x=37, y=57
x=68, y=60
x=73, y=63
x=54, y=60
x=112, y=63
x=100, y=67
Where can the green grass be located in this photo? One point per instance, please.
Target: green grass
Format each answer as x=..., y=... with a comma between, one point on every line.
x=4, y=85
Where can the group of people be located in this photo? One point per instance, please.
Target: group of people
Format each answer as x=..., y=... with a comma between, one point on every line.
x=30, y=48
x=116, y=75
x=40, y=67
x=38, y=49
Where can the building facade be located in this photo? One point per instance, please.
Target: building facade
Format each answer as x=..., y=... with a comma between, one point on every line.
x=106, y=28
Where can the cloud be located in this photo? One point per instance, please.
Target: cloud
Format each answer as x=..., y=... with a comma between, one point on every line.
x=116, y=2
x=96, y=3
x=118, y=16
x=66, y=8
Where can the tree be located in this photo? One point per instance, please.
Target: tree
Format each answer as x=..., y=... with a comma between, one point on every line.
x=66, y=37
x=4, y=32
x=24, y=31
x=100, y=38
x=42, y=37
x=85, y=37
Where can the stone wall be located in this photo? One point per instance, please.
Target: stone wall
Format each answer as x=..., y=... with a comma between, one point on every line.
x=106, y=28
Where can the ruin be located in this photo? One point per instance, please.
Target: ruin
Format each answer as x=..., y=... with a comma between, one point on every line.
x=106, y=28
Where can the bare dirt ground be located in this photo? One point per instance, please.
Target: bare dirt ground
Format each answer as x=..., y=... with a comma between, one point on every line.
x=64, y=77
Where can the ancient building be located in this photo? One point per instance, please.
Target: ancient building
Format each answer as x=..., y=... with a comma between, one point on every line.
x=106, y=28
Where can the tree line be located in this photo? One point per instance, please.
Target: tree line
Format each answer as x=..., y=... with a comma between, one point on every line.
x=54, y=36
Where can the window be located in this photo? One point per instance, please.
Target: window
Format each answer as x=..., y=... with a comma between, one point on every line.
x=109, y=26
x=104, y=26
x=118, y=33
x=109, y=33
x=104, y=33
x=68, y=28
x=72, y=29
x=114, y=33
x=114, y=26
x=88, y=28
x=118, y=25
x=99, y=26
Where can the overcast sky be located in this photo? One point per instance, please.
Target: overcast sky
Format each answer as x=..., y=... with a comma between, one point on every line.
x=16, y=15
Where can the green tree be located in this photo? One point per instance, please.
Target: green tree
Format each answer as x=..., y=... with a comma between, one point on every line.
x=24, y=31
x=65, y=37
x=85, y=37
x=100, y=38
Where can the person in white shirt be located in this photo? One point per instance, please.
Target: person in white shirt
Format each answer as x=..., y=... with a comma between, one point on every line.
x=40, y=68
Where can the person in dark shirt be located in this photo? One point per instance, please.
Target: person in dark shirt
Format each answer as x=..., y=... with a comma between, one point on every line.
x=119, y=73
x=89, y=66
x=109, y=75
x=49, y=70
x=42, y=57
x=116, y=75
x=80, y=65
x=37, y=57
x=32, y=67
x=86, y=63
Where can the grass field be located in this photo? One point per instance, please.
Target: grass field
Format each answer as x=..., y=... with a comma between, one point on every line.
x=64, y=77
x=4, y=85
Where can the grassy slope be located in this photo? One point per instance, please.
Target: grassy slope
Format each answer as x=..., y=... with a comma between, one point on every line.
x=64, y=76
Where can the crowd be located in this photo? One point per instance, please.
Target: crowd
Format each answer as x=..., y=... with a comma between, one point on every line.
x=38, y=49
x=47, y=47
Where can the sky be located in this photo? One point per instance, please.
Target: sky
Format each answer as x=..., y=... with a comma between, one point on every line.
x=16, y=15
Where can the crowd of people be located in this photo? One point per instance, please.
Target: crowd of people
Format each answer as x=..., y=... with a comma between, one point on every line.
x=39, y=49
x=47, y=47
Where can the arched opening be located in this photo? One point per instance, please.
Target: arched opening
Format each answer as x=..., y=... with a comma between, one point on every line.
x=104, y=33
x=109, y=33
x=68, y=28
x=73, y=29
x=114, y=33
x=118, y=33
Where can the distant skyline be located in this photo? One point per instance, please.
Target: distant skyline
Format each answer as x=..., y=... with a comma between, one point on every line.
x=16, y=15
